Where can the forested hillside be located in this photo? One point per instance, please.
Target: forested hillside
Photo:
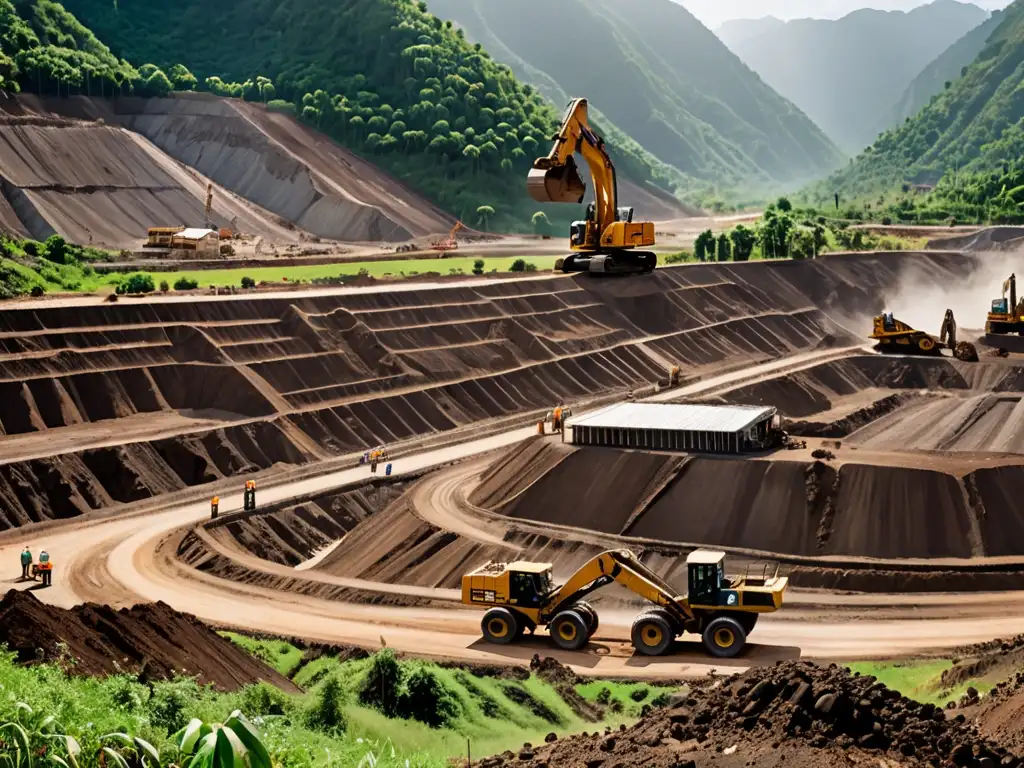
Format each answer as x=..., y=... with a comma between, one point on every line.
x=969, y=139
x=654, y=71
x=946, y=68
x=847, y=74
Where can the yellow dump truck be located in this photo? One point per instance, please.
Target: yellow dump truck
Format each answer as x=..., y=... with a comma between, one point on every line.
x=522, y=596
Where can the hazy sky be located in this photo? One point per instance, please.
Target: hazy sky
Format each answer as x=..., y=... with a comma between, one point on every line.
x=714, y=12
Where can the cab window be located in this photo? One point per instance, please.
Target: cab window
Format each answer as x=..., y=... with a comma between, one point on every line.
x=524, y=588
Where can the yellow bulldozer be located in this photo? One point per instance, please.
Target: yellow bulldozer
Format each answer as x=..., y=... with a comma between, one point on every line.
x=522, y=596
x=896, y=337
x=606, y=241
x=1007, y=316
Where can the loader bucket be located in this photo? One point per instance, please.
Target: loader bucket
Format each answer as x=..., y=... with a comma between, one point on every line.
x=556, y=185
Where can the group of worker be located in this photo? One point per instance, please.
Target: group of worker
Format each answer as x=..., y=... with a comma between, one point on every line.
x=374, y=457
x=29, y=568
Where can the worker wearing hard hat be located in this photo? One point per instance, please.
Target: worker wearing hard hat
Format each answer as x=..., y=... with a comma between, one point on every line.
x=26, y=564
x=46, y=569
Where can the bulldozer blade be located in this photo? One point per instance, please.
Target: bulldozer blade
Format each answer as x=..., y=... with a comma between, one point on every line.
x=556, y=185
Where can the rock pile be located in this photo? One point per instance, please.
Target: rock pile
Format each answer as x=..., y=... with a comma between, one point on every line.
x=793, y=714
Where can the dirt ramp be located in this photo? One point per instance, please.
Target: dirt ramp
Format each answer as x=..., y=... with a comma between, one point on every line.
x=153, y=640
x=517, y=470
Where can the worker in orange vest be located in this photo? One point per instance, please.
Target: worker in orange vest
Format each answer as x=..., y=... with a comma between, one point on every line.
x=214, y=506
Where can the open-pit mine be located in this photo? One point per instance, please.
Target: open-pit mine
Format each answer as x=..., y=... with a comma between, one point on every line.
x=897, y=498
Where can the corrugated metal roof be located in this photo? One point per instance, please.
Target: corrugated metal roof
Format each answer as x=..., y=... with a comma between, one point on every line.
x=676, y=416
x=195, y=233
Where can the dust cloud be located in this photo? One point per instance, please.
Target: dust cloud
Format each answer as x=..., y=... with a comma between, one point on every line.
x=921, y=302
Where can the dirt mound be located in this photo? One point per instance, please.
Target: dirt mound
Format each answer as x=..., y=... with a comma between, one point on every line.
x=153, y=640
x=791, y=714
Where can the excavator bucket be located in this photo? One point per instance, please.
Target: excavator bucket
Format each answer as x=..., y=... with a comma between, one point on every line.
x=561, y=184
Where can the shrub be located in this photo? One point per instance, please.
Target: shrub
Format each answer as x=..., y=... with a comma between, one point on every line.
x=56, y=249
x=37, y=291
x=170, y=703
x=140, y=282
x=185, y=284
x=428, y=700
x=382, y=685
x=265, y=699
x=164, y=287
x=248, y=282
x=886, y=221
x=32, y=248
x=328, y=714
x=519, y=265
x=478, y=267
x=530, y=267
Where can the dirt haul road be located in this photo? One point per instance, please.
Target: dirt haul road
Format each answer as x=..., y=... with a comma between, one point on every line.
x=117, y=561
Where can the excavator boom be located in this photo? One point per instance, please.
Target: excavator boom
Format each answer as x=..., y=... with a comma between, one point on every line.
x=606, y=238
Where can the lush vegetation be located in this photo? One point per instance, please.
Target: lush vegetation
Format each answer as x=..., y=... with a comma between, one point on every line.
x=372, y=712
x=967, y=142
x=847, y=74
x=661, y=77
x=383, y=77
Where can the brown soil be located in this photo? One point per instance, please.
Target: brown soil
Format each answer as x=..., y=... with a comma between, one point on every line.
x=791, y=714
x=130, y=164
x=257, y=383
x=152, y=640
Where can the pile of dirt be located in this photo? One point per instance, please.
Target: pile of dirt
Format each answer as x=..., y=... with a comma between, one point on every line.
x=152, y=640
x=791, y=714
x=1001, y=239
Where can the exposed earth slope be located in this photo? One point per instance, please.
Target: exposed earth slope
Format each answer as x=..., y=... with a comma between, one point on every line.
x=104, y=171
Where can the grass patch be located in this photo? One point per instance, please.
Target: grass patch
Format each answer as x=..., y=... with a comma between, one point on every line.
x=918, y=680
x=278, y=654
x=631, y=697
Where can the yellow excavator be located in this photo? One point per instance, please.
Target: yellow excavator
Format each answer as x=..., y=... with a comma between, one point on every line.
x=521, y=596
x=896, y=337
x=1006, y=316
x=606, y=241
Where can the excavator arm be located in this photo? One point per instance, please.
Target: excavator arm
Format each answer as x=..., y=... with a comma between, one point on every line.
x=625, y=568
x=607, y=236
x=556, y=179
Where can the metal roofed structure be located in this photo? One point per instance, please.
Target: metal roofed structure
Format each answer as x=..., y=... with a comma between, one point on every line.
x=677, y=427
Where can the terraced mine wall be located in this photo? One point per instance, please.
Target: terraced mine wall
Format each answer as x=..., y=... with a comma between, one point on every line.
x=110, y=404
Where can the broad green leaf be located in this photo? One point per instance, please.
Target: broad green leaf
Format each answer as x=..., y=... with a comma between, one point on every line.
x=247, y=734
x=124, y=738
x=230, y=752
x=21, y=742
x=115, y=757
x=58, y=760
x=205, y=752
x=192, y=733
x=147, y=751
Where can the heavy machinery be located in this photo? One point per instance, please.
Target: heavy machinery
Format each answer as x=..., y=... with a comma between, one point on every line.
x=896, y=337
x=522, y=596
x=1007, y=316
x=449, y=243
x=606, y=240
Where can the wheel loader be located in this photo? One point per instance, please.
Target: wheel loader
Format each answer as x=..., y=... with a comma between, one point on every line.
x=896, y=337
x=605, y=242
x=1007, y=316
x=519, y=597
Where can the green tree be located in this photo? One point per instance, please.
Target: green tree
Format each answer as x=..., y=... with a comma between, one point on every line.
x=140, y=282
x=484, y=214
x=704, y=245
x=724, y=247
x=158, y=84
x=541, y=224
x=519, y=265
x=478, y=267
x=773, y=234
x=182, y=79
x=801, y=243
x=784, y=205
x=328, y=712
x=382, y=686
x=743, y=242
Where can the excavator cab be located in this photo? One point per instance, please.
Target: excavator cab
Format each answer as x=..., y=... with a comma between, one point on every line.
x=1000, y=306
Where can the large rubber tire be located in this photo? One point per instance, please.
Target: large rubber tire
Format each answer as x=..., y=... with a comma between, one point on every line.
x=724, y=638
x=926, y=345
x=652, y=634
x=500, y=626
x=569, y=630
x=589, y=615
x=747, y=620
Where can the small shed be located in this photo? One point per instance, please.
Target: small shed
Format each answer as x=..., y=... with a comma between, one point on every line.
x=203, y=241
x=677, y=427
x=160, y=237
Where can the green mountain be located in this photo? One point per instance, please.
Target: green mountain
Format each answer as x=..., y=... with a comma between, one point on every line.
x=847, y=74
x=973, y=126
x=948, y=67
x=655, y=72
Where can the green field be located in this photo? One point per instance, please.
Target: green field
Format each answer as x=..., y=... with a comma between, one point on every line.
x=918, y=680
